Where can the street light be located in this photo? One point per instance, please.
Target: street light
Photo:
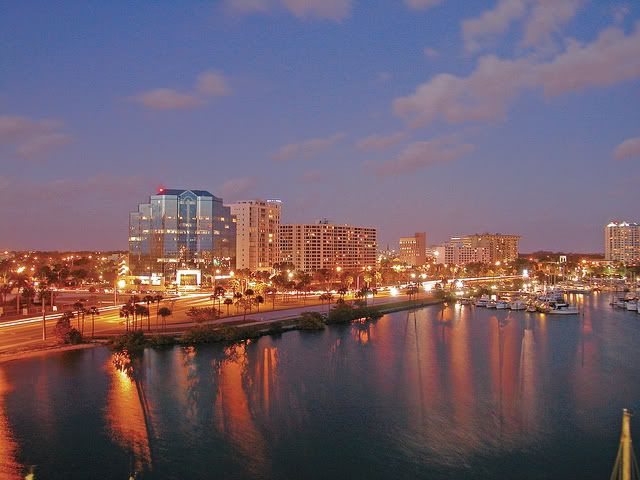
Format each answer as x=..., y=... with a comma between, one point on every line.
x=121, y=283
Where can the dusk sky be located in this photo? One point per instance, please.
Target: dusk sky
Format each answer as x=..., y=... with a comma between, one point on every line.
x=445, y=116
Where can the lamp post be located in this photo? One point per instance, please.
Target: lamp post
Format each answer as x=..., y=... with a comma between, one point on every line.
x=117, y=283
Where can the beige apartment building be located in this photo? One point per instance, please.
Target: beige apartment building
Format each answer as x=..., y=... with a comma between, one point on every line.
x=481, y=248
x=322, y=245
x=413, y=250
x=622, y=242
x=257, y=223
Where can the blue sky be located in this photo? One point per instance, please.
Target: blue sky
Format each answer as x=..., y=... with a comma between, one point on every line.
x=448, y=116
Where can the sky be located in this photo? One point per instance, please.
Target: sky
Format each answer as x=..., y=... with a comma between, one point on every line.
x=445, y=116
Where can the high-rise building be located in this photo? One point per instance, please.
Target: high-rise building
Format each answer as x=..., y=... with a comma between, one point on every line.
x=480, y=248
x=622, y=242
x=257, y=223
x=322, y=245
x=179, y=229
x=413, y=250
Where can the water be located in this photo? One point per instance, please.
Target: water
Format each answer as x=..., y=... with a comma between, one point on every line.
x=459, y=393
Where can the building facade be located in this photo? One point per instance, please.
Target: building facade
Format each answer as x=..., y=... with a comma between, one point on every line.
x=322, y=245
x=413, y=250
x=480, y=248
x=257, y=223
x=180, y=229
x=622, y=242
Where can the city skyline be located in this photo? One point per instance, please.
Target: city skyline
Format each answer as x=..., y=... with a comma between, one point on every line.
x=501, y=116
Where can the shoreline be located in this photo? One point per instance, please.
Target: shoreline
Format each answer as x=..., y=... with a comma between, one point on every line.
x=258, y=329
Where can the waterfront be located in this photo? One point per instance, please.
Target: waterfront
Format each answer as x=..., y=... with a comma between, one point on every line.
x=461, y=392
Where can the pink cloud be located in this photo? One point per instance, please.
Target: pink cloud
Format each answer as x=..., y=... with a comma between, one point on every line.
x=423, y=154
x=489, y=90
x=168, y=99
x=307, y=148
x=381, y=142
x=630, y=148
x=323, y=9
x=547, y=17
x=422, y=4
x=431, y=53
x=208, y=84
x=237, y=187
x=32, y=138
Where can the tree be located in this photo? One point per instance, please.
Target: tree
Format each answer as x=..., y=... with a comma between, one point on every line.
x=126, y=311
x=237, y=296
x=218, y=293
x=245, y=303
x=164, y=312
x=259, y=299
x=65, y=332
x=228, y=302
x=140, y=311
x=326, y=297
x=93, y=311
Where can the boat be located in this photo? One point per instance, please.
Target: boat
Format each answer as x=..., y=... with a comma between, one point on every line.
x=632, y=305
x=465, y=301
x=562, y=309
x=502, y=304
x=482, y=301
x=517, y=305
x=491, y=304
x=531, y=308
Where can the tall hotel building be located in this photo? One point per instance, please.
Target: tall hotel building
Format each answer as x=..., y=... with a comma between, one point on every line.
x=179, y=229
x=622, y=242
x=413, y=250
x=318, y=246
x=257, y=223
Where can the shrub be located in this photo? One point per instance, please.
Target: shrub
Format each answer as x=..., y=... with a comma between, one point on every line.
x=203, y=314
x=369, y=313
x=130, y=341
x=162, y=340
x=311, y=321
x=341, y=313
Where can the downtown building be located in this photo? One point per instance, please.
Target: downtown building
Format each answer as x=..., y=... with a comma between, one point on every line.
x=479, y=248
x=413, y=250
x=180, y=230
x=257, y=224
x=325, y=246
x=622, y=242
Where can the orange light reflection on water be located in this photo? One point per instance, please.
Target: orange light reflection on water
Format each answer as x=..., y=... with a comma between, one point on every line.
x=9, y=467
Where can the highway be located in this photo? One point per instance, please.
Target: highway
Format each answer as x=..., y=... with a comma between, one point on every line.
x=26, y=334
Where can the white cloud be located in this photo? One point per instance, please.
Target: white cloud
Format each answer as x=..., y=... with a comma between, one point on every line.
x=547, y=17
x=489, y=90
x=542, y=19
x=421, y=4
x=208, y=84
x=491, y=22
x=620, y=12
x=630, y=148
x=381, y=142
x=423, y=154
x=324, y=9
x=32, y=138
x=307, y=148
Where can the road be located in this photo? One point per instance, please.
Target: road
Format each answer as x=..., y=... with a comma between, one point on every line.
x=26, y=334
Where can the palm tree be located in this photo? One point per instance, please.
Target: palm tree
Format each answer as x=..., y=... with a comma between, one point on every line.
x=218, y=293
x=164, y=312
x=140, y=311
x=93, y=311
x=78, y=307
x=148, y=299
x=237, y=296
x=126, y=311
x=245, y=304
x=157, y=298
x=228, y=302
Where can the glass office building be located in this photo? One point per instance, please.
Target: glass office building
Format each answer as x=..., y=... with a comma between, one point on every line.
x=180, y=229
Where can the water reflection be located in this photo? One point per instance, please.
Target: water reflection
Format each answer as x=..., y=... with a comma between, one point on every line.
x=9, y=466
x=434, y=393
x=127, y=411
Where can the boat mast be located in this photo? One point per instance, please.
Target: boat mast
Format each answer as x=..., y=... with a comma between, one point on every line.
x=626, y=466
